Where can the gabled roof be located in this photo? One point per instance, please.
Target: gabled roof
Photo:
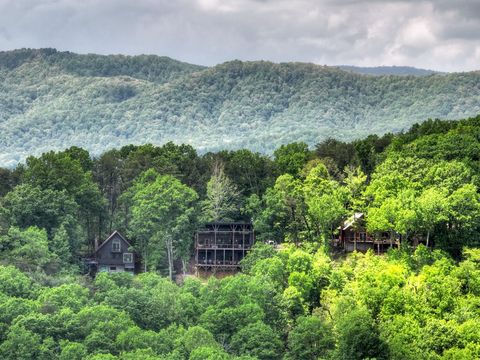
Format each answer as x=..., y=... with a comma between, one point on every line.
x=227, y=223
x=352, y=220
x=111, y=237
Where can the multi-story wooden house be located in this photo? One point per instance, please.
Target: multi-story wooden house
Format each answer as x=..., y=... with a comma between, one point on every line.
x=353, y=236
x=113, y=255
x=219, y=246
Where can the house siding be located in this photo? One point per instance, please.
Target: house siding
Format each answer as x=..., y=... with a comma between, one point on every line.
x=106, y=257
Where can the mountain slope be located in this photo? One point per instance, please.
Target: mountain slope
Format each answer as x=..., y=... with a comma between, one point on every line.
x=158, y=69
x=52, y=100
x=388, y=70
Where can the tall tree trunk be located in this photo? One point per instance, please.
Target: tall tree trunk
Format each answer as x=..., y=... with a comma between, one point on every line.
x=170, y=257
x=184, y=266
x=295, y=230
x=428, y=237
x=307, y=225
x=144, y=257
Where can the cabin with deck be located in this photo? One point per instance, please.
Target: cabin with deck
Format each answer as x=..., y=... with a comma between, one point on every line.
x=353, y=236
x=219, y=246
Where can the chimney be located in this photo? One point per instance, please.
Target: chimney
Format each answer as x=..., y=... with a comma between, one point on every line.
x=96, y=242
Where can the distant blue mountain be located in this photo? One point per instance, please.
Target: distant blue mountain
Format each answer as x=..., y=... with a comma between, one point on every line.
x=388, y=70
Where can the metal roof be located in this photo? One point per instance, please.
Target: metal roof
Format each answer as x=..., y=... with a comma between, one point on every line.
x=352, y=220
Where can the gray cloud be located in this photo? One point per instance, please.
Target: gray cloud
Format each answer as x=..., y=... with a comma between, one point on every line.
x=436, y=34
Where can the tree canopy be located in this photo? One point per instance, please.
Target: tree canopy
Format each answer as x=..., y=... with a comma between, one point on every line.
x=296, y=296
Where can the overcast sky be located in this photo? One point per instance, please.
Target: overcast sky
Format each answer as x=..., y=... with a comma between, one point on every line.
x=436, y=34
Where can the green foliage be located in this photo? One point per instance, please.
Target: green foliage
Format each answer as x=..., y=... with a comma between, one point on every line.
x=196, y=337
x=71, y=296
x=21, y=344
x=15, y=283
x=283, y=215
x=310, y=339
x=221, y=203
x=62, y=171
x=426, y=189
x=299, y=210
x=325, y=200
x=257, y=340
x=28, y=249
x=358, y=337
x=259, y=251
x=72, y=351
x=28, y=205
x=293, y=300
x=163, y=218
x=291, y=158
x=151, y=301
x=66, y=99
x=208, y=353
x=292, y=304
x=342, y=154
x=252, y=172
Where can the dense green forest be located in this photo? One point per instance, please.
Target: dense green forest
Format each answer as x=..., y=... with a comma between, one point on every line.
x=299, y=301
x=388, y=70
x=53, y=100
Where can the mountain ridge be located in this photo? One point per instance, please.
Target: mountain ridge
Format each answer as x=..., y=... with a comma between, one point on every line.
x=389, y=70
x=99, y=102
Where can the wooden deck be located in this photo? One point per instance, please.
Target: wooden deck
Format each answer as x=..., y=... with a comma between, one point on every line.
x=221, y=246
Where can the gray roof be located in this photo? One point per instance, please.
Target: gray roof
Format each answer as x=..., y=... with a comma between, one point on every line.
x=352, y=220
x=110, y=238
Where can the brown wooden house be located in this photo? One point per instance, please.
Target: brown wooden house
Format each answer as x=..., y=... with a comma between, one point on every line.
x=113, y=255
x=353, y=236
x=219, y=246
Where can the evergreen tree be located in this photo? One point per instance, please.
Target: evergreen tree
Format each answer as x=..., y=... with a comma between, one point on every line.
x=222, y=202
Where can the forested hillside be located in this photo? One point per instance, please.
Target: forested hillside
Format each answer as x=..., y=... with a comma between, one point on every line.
x=292, y=305
x=388, y=70
x=52, y=100
x=299, y=301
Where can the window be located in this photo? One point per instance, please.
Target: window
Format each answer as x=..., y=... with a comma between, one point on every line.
x=116, y=245
x=127, y=258
x=113, y=268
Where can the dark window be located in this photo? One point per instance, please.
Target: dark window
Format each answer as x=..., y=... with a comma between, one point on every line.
x=116, y=245
x=127, y=258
